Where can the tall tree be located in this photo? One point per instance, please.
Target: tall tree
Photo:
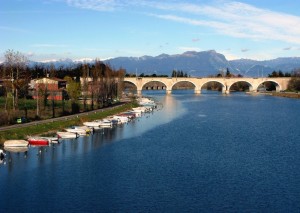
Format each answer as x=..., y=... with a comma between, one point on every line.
x=15, y=65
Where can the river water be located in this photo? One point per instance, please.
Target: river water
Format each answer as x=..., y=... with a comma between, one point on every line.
x=197, y=153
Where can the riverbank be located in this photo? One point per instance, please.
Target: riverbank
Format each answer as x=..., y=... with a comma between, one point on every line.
x=51, y=125
x=283, y=94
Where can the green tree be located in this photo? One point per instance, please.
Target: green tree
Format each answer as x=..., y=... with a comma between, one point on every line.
x=74, y=92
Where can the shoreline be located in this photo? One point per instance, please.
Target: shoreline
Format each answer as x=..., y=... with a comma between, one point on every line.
x=282, y=94
x=51, y=125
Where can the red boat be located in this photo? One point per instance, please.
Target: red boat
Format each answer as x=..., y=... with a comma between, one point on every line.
x=38, y=141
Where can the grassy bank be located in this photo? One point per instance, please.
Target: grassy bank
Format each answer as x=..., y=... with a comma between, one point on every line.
x=22, y=132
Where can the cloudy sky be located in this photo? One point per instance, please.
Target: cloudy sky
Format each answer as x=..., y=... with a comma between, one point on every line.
x=58, y=29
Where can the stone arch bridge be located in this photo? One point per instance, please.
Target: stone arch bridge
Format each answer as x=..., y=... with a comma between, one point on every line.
x=254, y=83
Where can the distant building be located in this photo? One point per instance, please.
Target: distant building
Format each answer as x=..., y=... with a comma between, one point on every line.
x=53, y=87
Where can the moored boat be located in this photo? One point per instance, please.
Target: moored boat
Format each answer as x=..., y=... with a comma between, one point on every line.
x=92, y=124
x=104, y=123
x=16, y=143
x=122, y=119
x=80, y=132
x=37, y=141
x=51, y=139
x=87, y=129
x=140, y=109
x=66, y=135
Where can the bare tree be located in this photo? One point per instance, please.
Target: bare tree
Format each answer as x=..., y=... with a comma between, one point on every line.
x=15, y=63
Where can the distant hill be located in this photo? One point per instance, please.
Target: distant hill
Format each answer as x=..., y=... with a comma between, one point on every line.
x=203, y=63
x=193, y=63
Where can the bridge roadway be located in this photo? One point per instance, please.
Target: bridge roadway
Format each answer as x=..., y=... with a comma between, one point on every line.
x=198, y=82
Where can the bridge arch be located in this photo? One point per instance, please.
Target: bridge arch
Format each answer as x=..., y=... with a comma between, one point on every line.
x=195, y=87
x=130, y=81
x=277, y=86
x=152, y=80
x=162, y=85
x=239, y=85
x=130, y=87
x=224, y=87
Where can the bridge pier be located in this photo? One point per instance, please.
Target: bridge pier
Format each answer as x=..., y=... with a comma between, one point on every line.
x=197, y=91
x=139, y=93
x=277, y=88
x=169, y=91
x=225, y=90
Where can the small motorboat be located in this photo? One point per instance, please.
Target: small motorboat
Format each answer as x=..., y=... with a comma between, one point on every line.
x=51, y=139
x=92, y=124
x=86, y=128
x=104, y=123
x=140, y=109
x=67, y=135
x=122, y=119
x=38, y=141
x=16, y=143
x=80, y=130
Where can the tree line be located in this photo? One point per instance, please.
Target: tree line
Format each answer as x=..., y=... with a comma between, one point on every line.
x=89, y=86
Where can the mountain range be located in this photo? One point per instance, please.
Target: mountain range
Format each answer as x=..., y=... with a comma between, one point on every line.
x=193, y=63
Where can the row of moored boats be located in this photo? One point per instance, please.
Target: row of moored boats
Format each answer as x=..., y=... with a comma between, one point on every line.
x=146, y=105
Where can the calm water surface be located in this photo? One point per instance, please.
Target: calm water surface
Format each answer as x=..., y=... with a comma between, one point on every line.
x=207, y=153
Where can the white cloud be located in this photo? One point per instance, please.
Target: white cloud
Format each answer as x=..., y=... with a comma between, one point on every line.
x=241, y=20
x=100, y=5
x=229, y=18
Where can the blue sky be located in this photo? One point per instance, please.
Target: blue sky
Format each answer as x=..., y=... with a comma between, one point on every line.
x=57, y=29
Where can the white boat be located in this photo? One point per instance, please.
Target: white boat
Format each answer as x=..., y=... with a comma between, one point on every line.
x=80, y=132
x=16, y=143
x=92, y=124
x=67, y=135
x=136, y=113
x=140, y=109
x=104, y=123
x=51, y=139
x=112, y=120
x=115, y=121
x=146, y=102
x=85, y=128
x=122, y=119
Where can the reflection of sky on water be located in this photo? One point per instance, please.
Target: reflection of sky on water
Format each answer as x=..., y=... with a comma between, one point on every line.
x=22, y=160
